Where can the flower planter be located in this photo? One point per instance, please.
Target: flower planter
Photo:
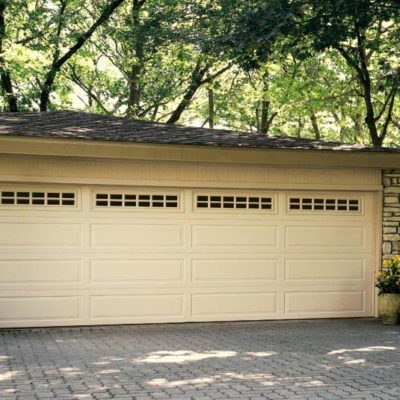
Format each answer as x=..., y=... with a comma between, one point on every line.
x=389, y=308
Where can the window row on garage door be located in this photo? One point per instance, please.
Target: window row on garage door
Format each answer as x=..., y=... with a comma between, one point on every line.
x=134, y=199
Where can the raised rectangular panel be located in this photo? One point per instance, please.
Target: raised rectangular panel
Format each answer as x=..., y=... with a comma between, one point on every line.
x=231, y=304
x=136, y=306
x=324, y=269
x=325, y=302
x=40, y=234
x=132, y=235
x=37, y=272
x=31, y=308
x=326, y=236
x=136, y=271
x=234, y=235
x=234, y=270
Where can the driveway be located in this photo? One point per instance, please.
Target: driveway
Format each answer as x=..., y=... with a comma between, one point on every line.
x=322, y=359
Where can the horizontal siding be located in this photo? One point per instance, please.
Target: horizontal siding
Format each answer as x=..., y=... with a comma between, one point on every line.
x=147, y=173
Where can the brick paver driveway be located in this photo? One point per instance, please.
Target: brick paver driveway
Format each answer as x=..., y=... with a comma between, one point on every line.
x=323, y=359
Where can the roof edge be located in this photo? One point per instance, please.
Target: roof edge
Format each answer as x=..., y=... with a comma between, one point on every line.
x=75, y=148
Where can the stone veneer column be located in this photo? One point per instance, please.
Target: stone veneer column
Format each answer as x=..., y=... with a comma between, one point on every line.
x=391, y=212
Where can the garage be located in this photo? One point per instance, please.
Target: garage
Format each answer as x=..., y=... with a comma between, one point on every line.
x=96, y=232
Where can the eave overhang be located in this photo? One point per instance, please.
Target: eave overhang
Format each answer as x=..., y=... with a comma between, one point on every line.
x=95, y=149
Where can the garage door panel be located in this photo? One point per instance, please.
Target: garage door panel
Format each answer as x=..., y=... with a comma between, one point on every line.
x=40, y=235
x=39, y=308
x=110, y=264
x=318, y=302
x=234, y=304
x=39, y=272
x=242, y=270
x=136, y=271
x=225, y=235
x=136, y=306
x=136, y=235
x=326, y=237
x=325, y=269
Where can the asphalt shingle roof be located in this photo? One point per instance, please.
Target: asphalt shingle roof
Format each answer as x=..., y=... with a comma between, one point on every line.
x=79, y=125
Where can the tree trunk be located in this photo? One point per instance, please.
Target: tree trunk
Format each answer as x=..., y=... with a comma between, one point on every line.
x=370, y=117
x=300, y=126
x=341, y=129
x=314, y=123
x=134, y=91
x=196, y=81
x=5, y=76
x=264, y=116
x=81, y=40
x=361, y=67
x=211, y=110
x=48, y=87
x=136, y=68
x=358, y=131
x=258, y=124
x=267, y=118
x=365, y=80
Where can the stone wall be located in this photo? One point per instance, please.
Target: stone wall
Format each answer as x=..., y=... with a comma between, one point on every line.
x=391, y=212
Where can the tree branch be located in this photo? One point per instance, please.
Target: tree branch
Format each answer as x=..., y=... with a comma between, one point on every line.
x=211, y=77
x=77, y=80
x=81, y=40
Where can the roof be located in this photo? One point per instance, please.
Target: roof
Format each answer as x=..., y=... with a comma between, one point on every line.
x=84, y=126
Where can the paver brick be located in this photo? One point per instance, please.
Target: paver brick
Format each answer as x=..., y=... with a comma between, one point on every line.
x=348, y=359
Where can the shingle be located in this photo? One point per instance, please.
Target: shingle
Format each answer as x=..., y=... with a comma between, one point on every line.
x=79, y=125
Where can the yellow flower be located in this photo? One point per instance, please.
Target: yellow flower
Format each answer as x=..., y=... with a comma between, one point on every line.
x=396, y=260
x=387, y=263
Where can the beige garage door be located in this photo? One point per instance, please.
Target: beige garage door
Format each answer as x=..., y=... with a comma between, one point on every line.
x=73, y=256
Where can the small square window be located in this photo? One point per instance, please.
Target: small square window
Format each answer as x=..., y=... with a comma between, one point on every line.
x=38, y=201
x=7, y=201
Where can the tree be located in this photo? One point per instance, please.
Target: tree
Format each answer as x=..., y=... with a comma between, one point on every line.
x=5, y=74
x=366, y=34
x=59, y=58
x=55, y=30
x=320, y=69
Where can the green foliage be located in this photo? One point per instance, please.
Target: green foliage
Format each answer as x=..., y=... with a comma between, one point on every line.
x=388, y=279
x=324, y=69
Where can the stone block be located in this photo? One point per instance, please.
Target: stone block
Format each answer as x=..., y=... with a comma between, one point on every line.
x=391, y=200
x=386, y=181
x=387, y=247
x=390, y=229
x=391, y=219
x=394, y=210
x=391, y=223
x=391, y=238
x=391, y=189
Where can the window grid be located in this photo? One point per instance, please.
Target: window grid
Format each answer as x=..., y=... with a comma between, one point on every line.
x=37, y=198
x=136, y=200
x=233, y=202
x=323, y=204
